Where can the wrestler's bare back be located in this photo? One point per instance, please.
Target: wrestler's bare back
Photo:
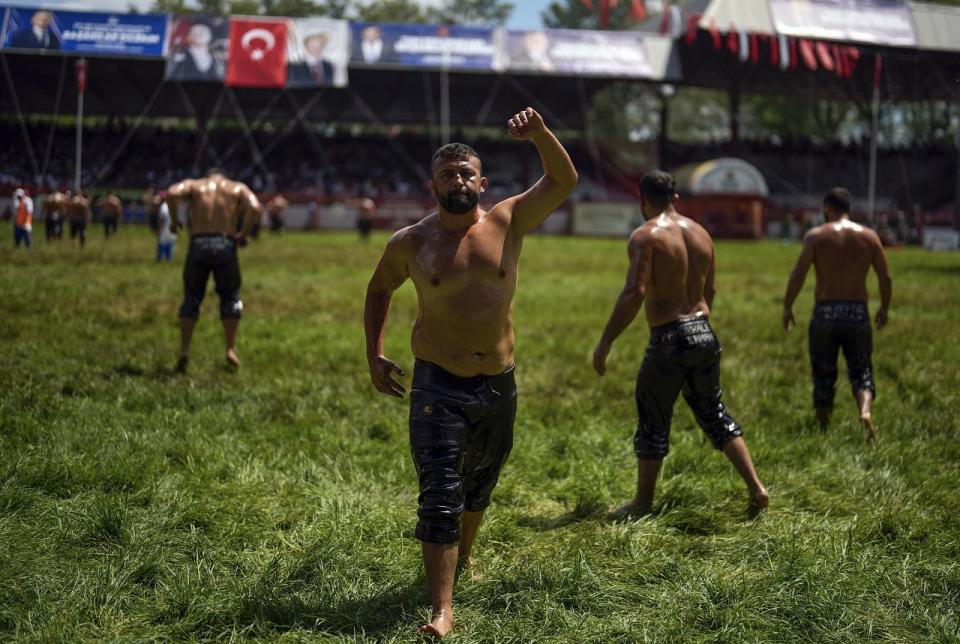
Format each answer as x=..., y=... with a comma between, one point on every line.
x=679, y=284
x=112, y=206
x=465, y=282
x=78, y=208
x=843, y=252
x=214, y=204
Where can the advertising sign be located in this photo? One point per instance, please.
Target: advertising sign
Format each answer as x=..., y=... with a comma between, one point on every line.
x=198, y=48
x=575, y=52
x=318, y=50
x=79, y=32
x=426, y=46
x=881, y=22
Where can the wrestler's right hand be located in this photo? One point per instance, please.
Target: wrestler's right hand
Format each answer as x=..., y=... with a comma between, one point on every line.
x=881, y=319
x=600, y=357
x=381, y=370
x=788, y=321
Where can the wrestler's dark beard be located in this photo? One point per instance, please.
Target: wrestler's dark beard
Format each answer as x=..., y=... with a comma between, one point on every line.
x=458, y=203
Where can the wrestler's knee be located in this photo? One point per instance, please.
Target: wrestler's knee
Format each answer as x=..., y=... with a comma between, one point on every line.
x=231, y=306
x=190, y=308
x=862, y=380
x=651, y=442
x=823, y=392
x=439, y=513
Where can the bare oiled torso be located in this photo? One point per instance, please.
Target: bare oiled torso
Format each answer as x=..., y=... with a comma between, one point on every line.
x=78, y=209
x=214, y=204
x=682, y=253
x=55, y=203
x=843, y=252
x=465, y=282
x=111, y=206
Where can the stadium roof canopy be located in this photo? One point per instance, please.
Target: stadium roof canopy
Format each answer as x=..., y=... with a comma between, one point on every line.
x=129, y=87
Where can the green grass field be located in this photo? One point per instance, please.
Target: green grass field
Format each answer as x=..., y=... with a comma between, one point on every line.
x=278, y=502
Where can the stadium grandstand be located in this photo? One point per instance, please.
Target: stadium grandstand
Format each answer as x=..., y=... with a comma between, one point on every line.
x=365, y=118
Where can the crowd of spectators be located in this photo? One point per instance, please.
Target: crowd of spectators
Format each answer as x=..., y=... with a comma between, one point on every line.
x=337, y=164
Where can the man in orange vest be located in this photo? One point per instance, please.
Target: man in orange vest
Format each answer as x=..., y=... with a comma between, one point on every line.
x=22, y=217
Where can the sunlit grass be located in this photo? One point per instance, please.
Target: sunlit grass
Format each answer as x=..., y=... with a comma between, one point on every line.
x=278, y=502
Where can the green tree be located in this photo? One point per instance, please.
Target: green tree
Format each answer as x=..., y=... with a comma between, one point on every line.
x=392, y=11
x=473, y=12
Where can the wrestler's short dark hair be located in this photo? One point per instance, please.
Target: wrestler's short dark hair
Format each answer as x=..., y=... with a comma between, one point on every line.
x=838, y=198
x=658, y=188
x=454, y=152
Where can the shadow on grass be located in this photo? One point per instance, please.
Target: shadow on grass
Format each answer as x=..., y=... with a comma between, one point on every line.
x=585, y=509
x=376, y=615
x=127, y=370
x=952, y=269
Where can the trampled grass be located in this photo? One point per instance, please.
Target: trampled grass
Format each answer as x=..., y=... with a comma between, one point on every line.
x=278, y=502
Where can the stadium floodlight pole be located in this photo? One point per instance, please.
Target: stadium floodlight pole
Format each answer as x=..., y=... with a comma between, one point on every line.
x=874, y=135
x=81, y=69
x=445, y=93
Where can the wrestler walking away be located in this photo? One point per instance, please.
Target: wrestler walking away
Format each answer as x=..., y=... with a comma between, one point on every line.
x=842, y=253
x=463, y=261
x=215, y=204
x=671, y=274
x=78, y=214
x=111, y=210
x=54, y=211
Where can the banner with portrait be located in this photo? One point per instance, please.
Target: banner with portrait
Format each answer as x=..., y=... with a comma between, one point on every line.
x=422, y=46
x=318, y=50
x=82, y=32
x=197, y=48
x=880, y=22
x=577, y=52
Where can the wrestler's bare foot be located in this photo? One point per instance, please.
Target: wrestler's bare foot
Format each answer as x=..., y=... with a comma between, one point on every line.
x=632, y=510
x=182, y=363
x=760, y=499
x=870, y=428
x=469, y=565
x=440, y=624
x=232, y=358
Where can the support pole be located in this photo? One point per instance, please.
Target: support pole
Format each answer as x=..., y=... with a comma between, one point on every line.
x=81, y=69
x=445, y=97
x=874, y=132
x=734, y=95
x=956, y=194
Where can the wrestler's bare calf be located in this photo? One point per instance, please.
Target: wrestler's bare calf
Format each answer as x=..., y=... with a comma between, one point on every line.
x=865, y=404
x=648, y=470
x=441, y=561
x=187, y=325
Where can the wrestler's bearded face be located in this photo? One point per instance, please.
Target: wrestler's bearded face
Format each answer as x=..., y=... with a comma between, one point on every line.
x=457, y=185
x=457, y=201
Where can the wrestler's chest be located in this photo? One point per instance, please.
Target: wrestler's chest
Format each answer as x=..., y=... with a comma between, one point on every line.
x=470, y=260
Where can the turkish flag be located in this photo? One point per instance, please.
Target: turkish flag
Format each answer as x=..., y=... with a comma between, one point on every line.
x=258, y=53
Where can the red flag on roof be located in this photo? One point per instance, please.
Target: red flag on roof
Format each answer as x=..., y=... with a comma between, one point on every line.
x=807, y=53
x=823, y=53
x=258, y=53
x=638, y=11
x=715, y=35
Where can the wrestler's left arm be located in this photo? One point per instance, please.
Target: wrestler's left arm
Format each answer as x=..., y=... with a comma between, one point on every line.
x=249, y=211
x=797, y=277
x=630, y=300
x=559, y=176
x=885, y=281
x=709, y=284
